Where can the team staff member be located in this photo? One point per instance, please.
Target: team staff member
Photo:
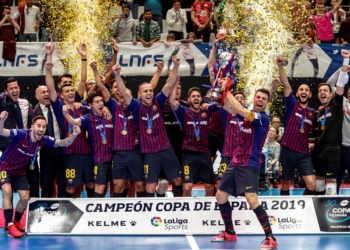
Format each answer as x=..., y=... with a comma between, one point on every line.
x=195, y=157
x=326, y=155
x=51, y=159
x=154, y=142
x=127, y=160
x=241, y=176
x=295, y=139
x=13, y=163
x=77, y=157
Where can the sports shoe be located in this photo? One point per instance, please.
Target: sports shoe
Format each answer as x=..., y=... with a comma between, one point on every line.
x=19, y=226
x=224, y=236
x=269, y=243
x=14, y=232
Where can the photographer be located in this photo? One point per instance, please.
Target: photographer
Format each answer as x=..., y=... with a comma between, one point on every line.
x=125, y=27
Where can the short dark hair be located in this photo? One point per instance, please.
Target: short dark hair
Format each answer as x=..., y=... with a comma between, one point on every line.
x=239, y=93
x=141, y=17
x=147, y=10
x=193, y=89
x=263, y=90
x=64, y=75
x=325, y=84
x=125, y=6
x=171, y=35
x=65, y=85
x=6, y=7
x=91, y=97
x=175, y=1
x=304, y=84
x=9, y=80
x=39, y=117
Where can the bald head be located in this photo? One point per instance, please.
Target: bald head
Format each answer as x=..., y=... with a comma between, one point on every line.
x=42, y=95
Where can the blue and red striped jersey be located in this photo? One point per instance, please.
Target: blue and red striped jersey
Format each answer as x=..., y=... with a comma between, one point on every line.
x=215, y=124
x=192, y=121
x=80, y=144
x=98, y=126
x=250, y=141
x=232, y=127
x=122, y=141
x=157, y=140
x=20, y=152
x=292, y=137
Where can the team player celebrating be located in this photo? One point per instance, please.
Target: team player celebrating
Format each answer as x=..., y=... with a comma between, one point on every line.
x=241, y=176
x=100, y=134
x=195, y=157
x=154, y=142
x=295, y=140
x=232, y=126
x=23, y=151
x=127, y=160
x=77, y=157
x=327, y=151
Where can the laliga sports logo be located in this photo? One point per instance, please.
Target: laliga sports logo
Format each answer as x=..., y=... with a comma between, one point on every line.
x=338, y=213
x=156, y=221
x=272, y=220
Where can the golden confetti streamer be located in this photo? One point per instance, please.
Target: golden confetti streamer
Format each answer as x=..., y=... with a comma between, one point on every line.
x=76, y=21
x=261, y=29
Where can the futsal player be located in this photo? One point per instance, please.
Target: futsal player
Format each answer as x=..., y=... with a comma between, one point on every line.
x=241, y=176
x=154, y=142
x=295, y=139
x=23, y=151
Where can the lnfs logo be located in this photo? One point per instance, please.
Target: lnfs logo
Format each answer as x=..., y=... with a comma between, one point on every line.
x=272, y=220
x=25, y=60
x=141, y=61
x=156, y=221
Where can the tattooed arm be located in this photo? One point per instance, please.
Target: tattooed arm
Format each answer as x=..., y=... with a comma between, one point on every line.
x=69, y=140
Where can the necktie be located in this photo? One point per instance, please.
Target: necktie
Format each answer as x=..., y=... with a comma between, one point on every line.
x=19, y=115
x=50, y=129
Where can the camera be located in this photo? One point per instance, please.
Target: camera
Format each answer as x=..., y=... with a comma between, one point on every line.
x=125, y=16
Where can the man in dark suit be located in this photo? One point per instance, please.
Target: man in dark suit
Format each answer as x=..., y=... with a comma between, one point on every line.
x=51, y=159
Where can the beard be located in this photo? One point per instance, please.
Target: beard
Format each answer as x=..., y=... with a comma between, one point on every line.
x=303, y=102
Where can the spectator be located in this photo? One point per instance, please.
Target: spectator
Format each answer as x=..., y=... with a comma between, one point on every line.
x=8, y=26
x=44, y=25
x=272, y=148
x=276, y=123
x=147, y=32
x=201, y=17
x=125, y=27
x=344, y=31
x=134, y=6
x=176, y=19
x=323, y=22
x=30, y=20
x=337, y=18
x=156, y=7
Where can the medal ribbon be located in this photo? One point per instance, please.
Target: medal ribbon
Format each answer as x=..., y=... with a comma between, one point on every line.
x=125, y=117
x=103, y=129
x=35, y=151
x=70, y=127
x=149, y=118
x=197, y=130
x=303, y=118
x=323, y=121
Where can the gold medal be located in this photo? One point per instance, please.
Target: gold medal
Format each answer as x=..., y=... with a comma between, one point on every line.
x=124, y=132
x=301, y=130
x=149, y=131
x=31, y=167
x=322, y=127
x=198, y=138
x=104, y=141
